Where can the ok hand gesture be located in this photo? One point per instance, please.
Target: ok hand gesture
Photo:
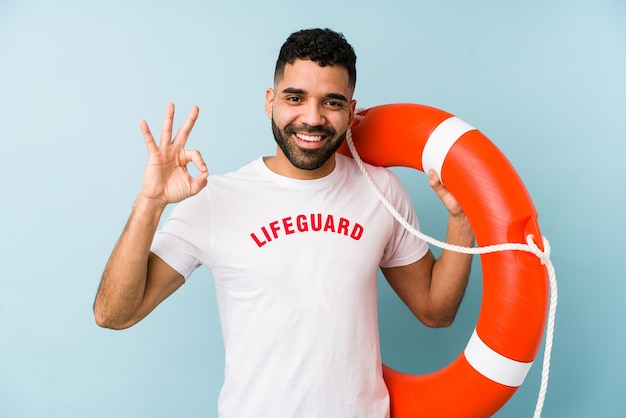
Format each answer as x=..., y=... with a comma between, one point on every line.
x=166, y=179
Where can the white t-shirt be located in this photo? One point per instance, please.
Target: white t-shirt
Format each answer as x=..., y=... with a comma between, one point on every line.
x=295, y=266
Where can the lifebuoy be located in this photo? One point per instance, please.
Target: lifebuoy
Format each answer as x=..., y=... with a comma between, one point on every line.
x=515, y=284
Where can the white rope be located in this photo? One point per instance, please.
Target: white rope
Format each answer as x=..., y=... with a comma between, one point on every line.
x=530, y=246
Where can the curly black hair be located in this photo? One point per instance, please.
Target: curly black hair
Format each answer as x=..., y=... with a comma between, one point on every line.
x=323, y=46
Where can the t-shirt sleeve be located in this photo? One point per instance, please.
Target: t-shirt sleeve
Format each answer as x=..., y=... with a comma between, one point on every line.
x=404, y=247
x=183, y=235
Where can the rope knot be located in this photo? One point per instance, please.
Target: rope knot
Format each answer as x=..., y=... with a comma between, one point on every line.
x=544, y=256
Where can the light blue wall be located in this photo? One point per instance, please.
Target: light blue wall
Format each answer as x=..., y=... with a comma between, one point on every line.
x=545, y=80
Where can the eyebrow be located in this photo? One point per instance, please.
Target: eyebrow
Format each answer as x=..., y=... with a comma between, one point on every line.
x=294, y=90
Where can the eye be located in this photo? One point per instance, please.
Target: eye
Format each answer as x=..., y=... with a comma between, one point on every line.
x=335, y=104
x=293, y=99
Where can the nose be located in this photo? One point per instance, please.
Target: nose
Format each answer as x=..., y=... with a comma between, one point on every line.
x=313, y=114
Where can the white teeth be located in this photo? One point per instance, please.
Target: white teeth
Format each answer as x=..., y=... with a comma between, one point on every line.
x=309, y=138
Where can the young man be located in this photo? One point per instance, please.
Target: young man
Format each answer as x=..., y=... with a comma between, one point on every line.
x=294, y=242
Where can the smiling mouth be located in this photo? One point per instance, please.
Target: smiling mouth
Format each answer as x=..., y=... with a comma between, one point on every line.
x=310, y=138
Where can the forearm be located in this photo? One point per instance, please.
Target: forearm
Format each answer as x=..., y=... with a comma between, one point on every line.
x=451, y=272
x=124, y=279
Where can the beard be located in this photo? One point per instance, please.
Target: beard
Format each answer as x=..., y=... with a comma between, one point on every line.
x=302, y=158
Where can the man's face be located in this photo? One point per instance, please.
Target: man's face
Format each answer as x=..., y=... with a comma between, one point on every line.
x=311, y=108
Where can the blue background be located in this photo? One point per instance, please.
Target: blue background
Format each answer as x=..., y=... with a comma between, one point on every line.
x=545, y=80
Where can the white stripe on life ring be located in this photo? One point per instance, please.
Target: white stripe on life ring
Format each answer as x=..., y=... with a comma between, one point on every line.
x=440, y=141
x=494, y=365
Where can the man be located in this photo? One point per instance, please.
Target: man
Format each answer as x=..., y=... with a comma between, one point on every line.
x=294, y=242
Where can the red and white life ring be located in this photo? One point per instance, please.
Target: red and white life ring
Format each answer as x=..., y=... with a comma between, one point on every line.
x=515, y=284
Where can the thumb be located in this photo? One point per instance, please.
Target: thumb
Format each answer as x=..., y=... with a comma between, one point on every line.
x=435, y=182
x=199, y=183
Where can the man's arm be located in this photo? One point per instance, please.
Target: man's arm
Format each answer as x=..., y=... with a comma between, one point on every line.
x=433, y=289
x=135, y=281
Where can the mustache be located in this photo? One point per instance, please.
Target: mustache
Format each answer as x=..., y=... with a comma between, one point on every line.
x=308, y=129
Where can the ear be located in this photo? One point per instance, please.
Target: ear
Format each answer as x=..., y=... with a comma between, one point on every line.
x=352, y=112
x=269, y=102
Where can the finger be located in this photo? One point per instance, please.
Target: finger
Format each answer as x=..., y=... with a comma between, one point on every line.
x=147, y=136
x=444, y=194
x=435, y=183
x=433, y=179
x=195, y=157
x=168, y=122
x=199, y=183
x=201, y=180
x=185, y=130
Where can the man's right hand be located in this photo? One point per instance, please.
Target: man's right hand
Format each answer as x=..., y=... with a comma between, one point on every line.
x=166, y=179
